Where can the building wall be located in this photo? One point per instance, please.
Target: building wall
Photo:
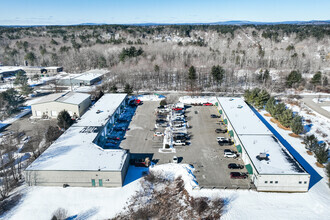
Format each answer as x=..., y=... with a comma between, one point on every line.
x=84, y=106
x=52, y=109
x=283, y=183
x=77, y=178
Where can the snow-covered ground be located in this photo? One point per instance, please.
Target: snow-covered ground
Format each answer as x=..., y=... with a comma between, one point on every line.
x=101, y=203
x=197, y=99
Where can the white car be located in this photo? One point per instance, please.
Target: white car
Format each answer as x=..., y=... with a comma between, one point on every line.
x=175, y=159
x=221, y=138
x=230, y=155
x=158, y=134
x=179, y=142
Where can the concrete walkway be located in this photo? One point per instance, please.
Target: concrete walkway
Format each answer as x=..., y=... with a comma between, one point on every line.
x=308, y=101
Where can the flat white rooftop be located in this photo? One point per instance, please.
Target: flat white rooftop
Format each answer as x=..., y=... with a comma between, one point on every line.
x=280, y=160
x=74, y=150
x=65, y=97
x=102, y=110
x=73, y=98
x=256, y=139
x=88, y=76
x=4, y=69
x=242, y=117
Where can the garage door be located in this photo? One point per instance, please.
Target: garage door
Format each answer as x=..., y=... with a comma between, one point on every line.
x=239, y=148
x=249, y=168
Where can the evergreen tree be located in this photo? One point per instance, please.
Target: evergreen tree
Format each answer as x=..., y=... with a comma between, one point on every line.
x=310, y=142
x=321, y=153
x=317, y=78
x=293, y=78
x=64, y=120
x=261, y=99
x=163, y=102
x=278, y=110
x=270, y=105
x=217, y=73
x=296, y=125
x=26, y=89
x=128, y=89
x=192, y=76
x=113, y=89
x=286, y=118
x=31, y=57
x=21, y=78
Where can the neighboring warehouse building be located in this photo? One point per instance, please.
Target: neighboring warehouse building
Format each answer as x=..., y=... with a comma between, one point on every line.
x=77, y=158
x=84, y=79
x=269, y=163
x=41, y=71
x=49, y=106
x=7, y=71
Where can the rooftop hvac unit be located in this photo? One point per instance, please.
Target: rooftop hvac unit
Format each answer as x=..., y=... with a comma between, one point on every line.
x=263, y=156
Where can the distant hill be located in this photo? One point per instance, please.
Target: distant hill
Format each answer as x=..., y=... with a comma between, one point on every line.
x=234, y=22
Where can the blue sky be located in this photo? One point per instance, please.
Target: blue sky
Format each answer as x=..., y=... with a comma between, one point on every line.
x=35, y=12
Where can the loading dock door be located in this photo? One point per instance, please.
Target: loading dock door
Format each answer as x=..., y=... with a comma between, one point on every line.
x=93, y=182
x=225, y=121
x=231, y=133
x=100, y=182
x=220, y=111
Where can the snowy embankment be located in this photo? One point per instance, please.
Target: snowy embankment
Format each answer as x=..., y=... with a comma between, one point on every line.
x=102, y=203
x=197, y=99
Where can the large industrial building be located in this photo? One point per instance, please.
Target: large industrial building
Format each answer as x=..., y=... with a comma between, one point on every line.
x=77, y=158
x=269, y=163
x=49, y=106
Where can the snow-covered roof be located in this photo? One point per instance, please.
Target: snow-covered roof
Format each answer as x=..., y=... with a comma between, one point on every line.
x=65, y=97
x=76, y=150
x=257, y=138
x=73, y=98
x=4, y=69
x=102, y=110
x=280, y=160
x=242, y=117
x=88, y=76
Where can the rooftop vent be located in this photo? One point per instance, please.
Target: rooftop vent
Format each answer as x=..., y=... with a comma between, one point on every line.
x=263, y=156
x=239, y=106
x=231, y=99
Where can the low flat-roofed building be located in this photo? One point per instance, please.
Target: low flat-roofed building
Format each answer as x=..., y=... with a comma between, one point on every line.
x=83, y=79
x=49, y=106
x=76, y=159
x=6, y=71
x=41, y=71
x=270, y=165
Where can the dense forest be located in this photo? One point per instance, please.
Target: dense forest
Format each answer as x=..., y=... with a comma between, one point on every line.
x=160, y=57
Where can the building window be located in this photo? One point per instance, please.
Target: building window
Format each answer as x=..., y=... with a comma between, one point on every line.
x=276, y=182
x=300, y=182
x=305, y=182
x=266, y=181
x=270, y=181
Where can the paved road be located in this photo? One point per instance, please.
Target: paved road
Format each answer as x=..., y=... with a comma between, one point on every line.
x=308, y=100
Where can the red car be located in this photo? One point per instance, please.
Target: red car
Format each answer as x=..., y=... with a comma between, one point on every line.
x=238, y=175
x=208, y=104
x=177, y=109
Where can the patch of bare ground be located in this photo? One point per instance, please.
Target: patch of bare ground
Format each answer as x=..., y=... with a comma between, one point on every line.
x=319, y=165
x=279, y=124
x=294, y=135
x=309, y=152
x=268, y=115
x=168, y=199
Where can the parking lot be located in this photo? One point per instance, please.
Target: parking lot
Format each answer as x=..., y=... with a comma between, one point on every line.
x=204, y=153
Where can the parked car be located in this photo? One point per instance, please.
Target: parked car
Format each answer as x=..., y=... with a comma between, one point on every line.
x=225, y=142
x=140, y=162
x=215, y=116
x=180, y=143
x=230, y=155
x=119, y=129
x=219, y=130
x=113, y=138
x=177, y=109
x=158, y=134
x=196, y=112
x=208, y=104
x=235, y=166
x=175, y=159
x=238, y=175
